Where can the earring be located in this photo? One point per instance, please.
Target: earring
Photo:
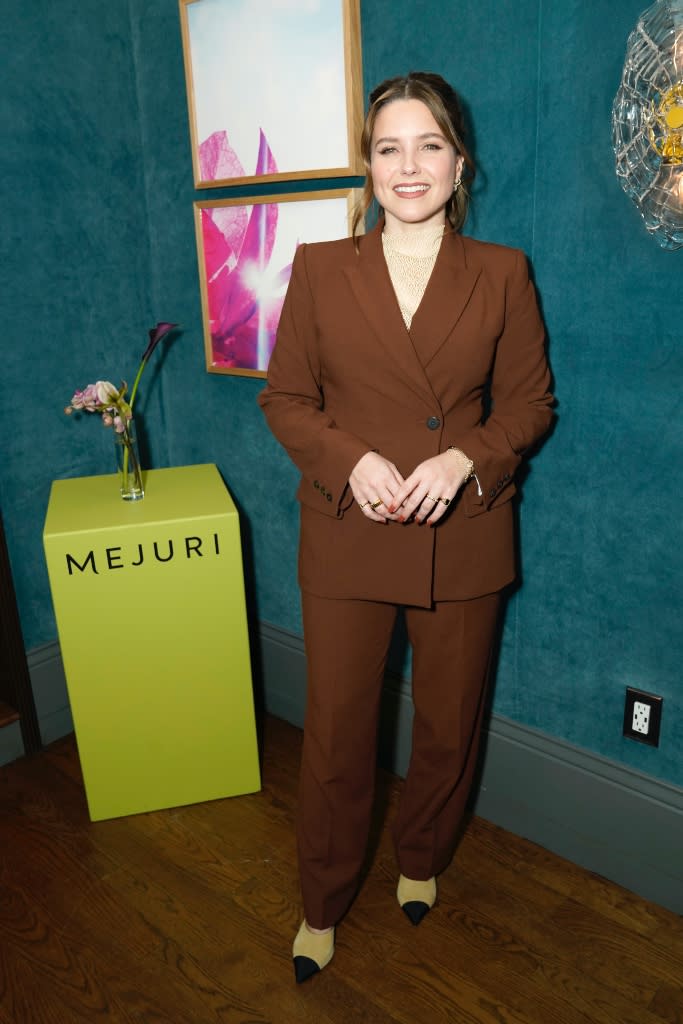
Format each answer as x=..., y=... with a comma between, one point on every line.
x=456, y=184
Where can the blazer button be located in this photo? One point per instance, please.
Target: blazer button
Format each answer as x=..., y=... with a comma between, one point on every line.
x=433, y=423
x=492, y=492
x=316, y=484
x=329, y=497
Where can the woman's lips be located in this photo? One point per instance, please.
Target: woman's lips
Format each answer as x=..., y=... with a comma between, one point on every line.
x=413, y=191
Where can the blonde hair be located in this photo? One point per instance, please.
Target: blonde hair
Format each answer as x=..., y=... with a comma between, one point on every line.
x=443, y=103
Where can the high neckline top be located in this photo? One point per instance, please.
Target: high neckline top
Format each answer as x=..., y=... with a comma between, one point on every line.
x=410, y=258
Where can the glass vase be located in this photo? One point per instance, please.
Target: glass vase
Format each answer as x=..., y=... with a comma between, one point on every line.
x=128, y=464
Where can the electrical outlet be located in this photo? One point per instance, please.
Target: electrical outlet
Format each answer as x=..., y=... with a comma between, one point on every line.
x=642, y=716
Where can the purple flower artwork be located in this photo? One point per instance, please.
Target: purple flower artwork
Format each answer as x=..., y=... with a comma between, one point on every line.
x=243, y=292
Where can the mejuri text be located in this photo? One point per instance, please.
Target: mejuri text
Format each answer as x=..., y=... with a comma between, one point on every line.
x=161, y=552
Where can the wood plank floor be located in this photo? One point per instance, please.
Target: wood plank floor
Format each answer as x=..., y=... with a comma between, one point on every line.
x=186, y=916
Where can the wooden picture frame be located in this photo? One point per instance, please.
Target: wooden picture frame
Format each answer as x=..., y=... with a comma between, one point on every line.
x=275, y=91
x=245, y=249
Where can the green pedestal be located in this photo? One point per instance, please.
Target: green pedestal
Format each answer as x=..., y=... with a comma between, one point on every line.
x=149, y=599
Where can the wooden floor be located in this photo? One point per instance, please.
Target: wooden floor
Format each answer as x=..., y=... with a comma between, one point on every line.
x=187, y=916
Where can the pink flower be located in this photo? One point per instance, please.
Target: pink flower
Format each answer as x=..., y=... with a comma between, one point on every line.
x=217, y=158
x=85, y=399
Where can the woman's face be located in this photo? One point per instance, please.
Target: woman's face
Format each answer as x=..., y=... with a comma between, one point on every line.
x=413, y=166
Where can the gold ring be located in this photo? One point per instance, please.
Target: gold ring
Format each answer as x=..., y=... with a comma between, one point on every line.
x=435, y=500
x=446, y=501
x=363, y=505
x=376, y=504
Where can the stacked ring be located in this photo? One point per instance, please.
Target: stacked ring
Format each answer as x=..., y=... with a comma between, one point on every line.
x=376, y=504
x=363, y=505
x=435, y=500
x=446, y=501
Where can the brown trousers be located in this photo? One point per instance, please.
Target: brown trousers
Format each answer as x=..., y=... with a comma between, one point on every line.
x=347, y=643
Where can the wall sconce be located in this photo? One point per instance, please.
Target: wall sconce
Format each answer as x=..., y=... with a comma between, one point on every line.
x=647, y=121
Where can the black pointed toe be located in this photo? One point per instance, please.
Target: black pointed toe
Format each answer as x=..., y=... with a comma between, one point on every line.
x=415, y=910
x=304, y=968
x=311, y=952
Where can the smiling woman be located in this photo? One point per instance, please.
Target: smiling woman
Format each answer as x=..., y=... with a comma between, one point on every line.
x=385, y=350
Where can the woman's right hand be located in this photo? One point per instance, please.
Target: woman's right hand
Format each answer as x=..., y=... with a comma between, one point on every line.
x=374, y=481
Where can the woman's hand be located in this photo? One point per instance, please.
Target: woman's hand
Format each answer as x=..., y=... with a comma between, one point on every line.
x=431, y=487
x=374, y=482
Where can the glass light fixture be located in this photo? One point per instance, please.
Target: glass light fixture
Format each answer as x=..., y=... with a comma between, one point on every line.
x=647, y=121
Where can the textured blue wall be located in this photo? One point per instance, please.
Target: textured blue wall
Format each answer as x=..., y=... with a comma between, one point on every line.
x=75, y=248
x=100, y=245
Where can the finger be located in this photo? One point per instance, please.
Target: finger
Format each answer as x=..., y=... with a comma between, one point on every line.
x=376, y=515
x=408, y=500
x=385, y=503
x=403, y=492
x=430, y=508
x=372, y=509
x=440, y=510
x=435, y=515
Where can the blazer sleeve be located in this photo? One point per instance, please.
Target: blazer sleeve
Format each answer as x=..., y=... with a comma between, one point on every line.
x=293, y=402
x=521, y=402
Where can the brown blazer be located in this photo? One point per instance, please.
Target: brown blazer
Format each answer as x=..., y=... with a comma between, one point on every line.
x=346, y=377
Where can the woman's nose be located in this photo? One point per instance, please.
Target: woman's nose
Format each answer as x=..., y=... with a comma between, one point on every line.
x=409, y=163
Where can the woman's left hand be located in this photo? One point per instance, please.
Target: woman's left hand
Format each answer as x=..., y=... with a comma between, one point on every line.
x=431, y=487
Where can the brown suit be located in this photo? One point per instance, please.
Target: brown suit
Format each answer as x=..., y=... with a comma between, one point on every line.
x=346, y=377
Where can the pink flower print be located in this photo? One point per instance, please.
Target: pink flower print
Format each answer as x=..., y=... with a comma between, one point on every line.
x=244, y=295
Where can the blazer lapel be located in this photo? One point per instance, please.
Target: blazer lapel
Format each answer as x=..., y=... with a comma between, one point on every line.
x=448, y=291
x=372, y=287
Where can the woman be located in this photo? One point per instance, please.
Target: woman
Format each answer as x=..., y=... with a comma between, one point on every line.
x=386, y=349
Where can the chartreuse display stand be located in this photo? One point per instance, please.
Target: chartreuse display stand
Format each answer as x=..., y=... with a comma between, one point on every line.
x=149, y=600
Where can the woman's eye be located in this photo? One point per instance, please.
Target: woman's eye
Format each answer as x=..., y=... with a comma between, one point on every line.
x=387, y=149
x=432, y=145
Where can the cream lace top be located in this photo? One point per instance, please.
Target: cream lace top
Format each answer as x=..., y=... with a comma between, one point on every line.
x=410, y=260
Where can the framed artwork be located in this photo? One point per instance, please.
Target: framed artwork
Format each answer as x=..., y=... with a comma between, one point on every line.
x=274, y=89
x=245, y=248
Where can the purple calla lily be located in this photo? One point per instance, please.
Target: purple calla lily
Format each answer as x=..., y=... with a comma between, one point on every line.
x=157, y=334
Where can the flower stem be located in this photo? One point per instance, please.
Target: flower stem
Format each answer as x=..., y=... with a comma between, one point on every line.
x=143, y=364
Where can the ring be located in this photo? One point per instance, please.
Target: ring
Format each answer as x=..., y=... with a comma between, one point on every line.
x=363, y=505
x=446, y=501
x=376, y=504
x=435, y=500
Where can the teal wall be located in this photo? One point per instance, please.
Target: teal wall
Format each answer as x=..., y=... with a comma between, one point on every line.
x=98, y=244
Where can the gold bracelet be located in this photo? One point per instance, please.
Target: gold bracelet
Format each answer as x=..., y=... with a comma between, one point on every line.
x=469, y=471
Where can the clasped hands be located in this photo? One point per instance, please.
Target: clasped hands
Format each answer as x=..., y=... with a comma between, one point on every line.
x=423, y=497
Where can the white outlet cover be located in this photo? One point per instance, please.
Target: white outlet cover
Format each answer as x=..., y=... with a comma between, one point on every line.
x=641, y=717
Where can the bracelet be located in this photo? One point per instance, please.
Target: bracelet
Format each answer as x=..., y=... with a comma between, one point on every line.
x=469, y=471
